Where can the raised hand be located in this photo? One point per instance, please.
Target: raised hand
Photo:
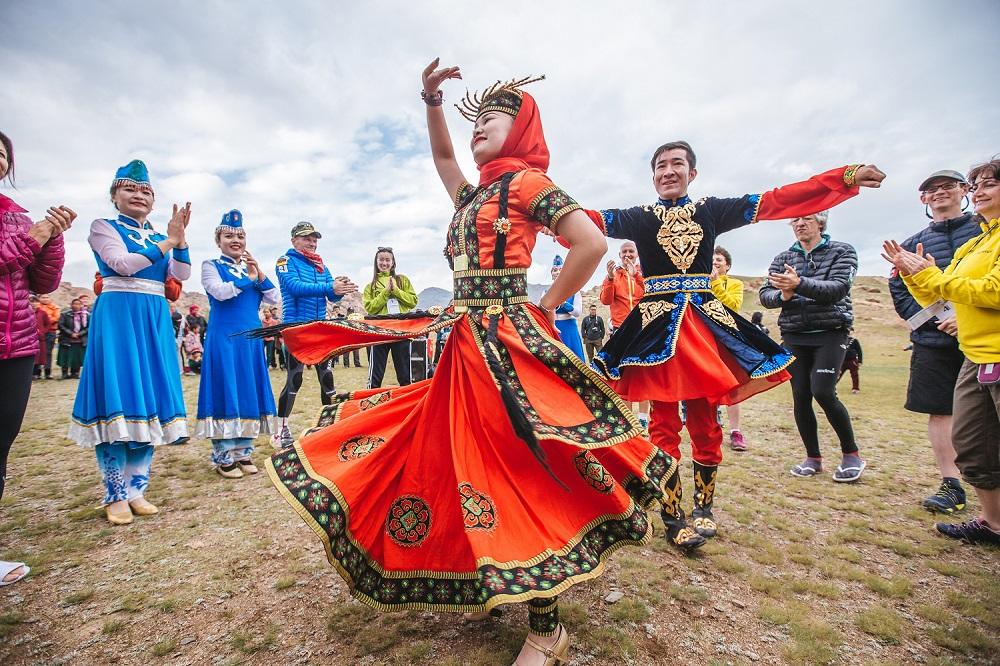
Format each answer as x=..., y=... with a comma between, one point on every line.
x=869, y=176
x=433, y=77
x=253, y=268
x=177, y=227
x=907, y=262
x=612, y=266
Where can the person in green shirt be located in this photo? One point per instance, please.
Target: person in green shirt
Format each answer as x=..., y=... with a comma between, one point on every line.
x=388, y=294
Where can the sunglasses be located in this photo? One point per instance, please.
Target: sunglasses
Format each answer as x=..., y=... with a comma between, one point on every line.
x=384, y=249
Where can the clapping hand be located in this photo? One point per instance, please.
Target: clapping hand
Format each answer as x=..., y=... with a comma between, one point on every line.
x=785, y=282
x=905, y=261
x=253, y=268
x=57, y=220
x=343, y=285
x=869, y=176
x=612, y=267
x=433, y=77
x=177, y=226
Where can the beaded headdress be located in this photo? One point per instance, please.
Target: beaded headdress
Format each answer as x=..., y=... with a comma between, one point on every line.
x=135, y=172
x=231, y=221
x=502, y=96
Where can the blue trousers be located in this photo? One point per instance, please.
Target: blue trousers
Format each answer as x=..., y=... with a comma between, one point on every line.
x=228, y=451
x=125, y=467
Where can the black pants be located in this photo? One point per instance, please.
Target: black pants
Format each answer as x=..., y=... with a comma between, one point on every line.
x=15, y=378
x=346, y=358
x=379, y=355
x=50, y=345
x=818, y=359
x=293, y=381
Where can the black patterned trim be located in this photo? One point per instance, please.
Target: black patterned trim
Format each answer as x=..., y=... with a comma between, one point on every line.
x=319, y=502
x=613, y=420
x=550, y=205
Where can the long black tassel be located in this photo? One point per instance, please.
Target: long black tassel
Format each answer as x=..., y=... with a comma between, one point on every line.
x=518, y=419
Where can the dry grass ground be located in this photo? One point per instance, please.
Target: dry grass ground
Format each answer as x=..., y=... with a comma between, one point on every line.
x=803, y=572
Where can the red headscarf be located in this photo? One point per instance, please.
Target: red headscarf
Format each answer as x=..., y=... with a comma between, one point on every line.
x=524, y=148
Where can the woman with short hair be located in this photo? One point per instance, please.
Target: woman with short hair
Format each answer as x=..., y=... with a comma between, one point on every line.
x=811, y=283
x=129, y=398
x=235, y=401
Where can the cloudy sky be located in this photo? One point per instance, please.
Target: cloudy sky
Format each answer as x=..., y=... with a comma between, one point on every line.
x=310, y=110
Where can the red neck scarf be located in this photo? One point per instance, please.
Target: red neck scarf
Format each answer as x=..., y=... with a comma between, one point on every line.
x=524, y=148
x=314, y=259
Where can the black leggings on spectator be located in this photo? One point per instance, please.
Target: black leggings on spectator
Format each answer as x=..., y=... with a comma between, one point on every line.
x=293, y=381
x=379, y=356
x=15, y=378
x=818, y=359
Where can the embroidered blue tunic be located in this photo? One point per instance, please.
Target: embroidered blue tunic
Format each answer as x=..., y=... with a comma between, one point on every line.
x=234, y=398
x=130, y=387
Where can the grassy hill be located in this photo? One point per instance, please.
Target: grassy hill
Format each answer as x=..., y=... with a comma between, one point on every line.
x=804, y=571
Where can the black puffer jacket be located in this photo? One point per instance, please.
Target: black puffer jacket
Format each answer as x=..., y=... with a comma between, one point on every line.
x=940, y=239
x=822, y=301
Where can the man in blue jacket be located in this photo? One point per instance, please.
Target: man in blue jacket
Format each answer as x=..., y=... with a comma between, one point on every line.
x=306, y=285
x=936, y=358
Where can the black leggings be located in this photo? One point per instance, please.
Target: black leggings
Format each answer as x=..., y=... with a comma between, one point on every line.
x=818, y=359
x=400, y=360
x=293, y=381
x=15, y=378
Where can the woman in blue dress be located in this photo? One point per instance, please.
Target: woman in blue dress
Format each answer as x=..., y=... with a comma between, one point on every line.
x=129, y=398
x=568, y=314
x=235, y=402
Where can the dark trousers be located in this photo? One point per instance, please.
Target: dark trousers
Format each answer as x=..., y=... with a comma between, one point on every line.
x=818, y=359
x=592, y=347
x=379, y=355
x=853, y=367
x=50, y=345
x=293, y=381
x=346, y=358
x=15, y=378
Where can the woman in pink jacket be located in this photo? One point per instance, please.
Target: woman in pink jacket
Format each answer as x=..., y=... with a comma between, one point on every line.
x=31, y=260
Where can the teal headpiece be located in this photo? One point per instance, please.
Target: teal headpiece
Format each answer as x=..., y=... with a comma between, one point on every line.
x=231, y=221
x=134, y=172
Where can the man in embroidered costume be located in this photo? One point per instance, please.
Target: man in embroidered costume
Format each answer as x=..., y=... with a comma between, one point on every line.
x=235, y=401
x=306, y=285
x=129, y=398
x=423, y=495
x=681, y=342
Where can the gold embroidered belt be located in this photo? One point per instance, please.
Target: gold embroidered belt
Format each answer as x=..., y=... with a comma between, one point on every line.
x=480, y=288
x=680, y=282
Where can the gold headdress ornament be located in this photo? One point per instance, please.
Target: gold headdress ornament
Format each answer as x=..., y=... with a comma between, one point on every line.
x=502, y=96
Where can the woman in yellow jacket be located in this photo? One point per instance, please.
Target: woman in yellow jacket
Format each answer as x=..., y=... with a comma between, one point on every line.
x=971, y=283
x=388, y=293
x=729, y=291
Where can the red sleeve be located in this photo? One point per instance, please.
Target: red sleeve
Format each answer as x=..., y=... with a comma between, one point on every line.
x=607, y=292
x=810, y=196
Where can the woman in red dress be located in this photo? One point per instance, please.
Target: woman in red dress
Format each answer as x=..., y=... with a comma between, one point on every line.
x=515, y=471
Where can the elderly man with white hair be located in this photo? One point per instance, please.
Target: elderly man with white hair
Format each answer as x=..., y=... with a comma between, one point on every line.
x=811, y=283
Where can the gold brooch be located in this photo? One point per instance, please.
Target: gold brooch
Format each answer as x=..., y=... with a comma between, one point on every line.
x=435, y=310
x=354, y=316
x=501, y=225
x=494, y=310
